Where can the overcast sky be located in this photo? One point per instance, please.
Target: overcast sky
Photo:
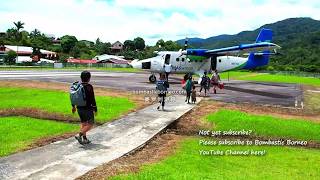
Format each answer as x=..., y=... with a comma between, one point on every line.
x=112, y=20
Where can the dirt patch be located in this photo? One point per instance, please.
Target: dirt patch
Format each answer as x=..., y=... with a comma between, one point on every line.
x=157, y=149
x=190, y=123
x=39, y=114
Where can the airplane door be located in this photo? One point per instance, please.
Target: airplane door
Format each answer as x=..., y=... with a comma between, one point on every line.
x=213, y=63
x=167, y=59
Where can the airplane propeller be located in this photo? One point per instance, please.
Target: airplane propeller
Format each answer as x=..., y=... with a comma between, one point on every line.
x=184, y=51
x=185, y=43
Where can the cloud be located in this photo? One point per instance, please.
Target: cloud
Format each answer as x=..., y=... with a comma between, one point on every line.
x=113, y=20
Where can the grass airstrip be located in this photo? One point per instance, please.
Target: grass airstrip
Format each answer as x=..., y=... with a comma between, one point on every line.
x=265, y=77
x=279, y=162
x=16, y=133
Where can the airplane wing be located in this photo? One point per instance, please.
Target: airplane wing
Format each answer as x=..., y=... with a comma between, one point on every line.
x=244, y=48
x=262, y=44
x=239, y=50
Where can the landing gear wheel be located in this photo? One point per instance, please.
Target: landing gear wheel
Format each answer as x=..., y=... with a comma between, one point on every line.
x=152, y=78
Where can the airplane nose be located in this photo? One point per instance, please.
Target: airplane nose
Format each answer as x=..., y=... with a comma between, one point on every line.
x=136, y=64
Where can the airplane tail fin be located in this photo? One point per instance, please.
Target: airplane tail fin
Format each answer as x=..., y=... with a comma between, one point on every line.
x=265, y=35
x=262, y=59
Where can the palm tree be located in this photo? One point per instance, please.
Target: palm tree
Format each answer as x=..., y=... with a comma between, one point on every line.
x=19, y=25
x=35, y=33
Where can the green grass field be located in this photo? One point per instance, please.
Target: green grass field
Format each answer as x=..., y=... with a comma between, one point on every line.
x=265, y=125
x=58, y=102
x=278, y=163
x=264, y=77
x=17, y=133
x=234, y=74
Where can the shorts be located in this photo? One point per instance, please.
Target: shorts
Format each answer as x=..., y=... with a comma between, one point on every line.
x=86, y=115
x=162, y=94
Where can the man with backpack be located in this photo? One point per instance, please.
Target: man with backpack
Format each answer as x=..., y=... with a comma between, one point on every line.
x=205, y=83
x=162, y=88
x=83, y=101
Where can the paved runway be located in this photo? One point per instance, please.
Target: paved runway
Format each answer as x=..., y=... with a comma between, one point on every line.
x=274, y=94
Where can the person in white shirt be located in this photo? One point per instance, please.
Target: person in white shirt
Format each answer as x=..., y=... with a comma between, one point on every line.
x=167, y=69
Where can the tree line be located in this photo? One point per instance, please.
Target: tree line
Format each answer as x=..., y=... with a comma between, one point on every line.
x=70, y=46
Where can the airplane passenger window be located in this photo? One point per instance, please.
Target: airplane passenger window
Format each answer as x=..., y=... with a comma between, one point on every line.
x=219, y=60
x=182, y=59
x=177, y=59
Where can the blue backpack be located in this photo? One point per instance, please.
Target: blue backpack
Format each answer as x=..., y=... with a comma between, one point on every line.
x=161, y=86
x=77, y=94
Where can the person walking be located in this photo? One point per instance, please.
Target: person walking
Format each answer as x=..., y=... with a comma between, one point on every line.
x=188, y=88
x=194, y=94
x=162, y=88
x=215, y=80
x=88, y=110
x=167, y=69
x=205, y=83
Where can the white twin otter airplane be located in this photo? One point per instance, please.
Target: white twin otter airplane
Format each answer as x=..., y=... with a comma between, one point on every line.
x=196, y=61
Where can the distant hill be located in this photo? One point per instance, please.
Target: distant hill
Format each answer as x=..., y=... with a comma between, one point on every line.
x=298, y=37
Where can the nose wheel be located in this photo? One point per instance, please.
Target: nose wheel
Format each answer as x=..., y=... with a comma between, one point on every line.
x=152, y=78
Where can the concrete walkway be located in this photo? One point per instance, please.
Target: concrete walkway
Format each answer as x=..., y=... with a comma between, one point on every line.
x=67, y=159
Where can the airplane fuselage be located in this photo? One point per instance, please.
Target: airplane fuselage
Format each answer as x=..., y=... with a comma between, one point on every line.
x=199, y=60
x=182, y=64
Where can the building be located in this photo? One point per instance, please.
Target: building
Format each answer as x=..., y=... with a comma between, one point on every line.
x=106, y=58
x=56, y=41
x=2, y=53
x=81, y=61
x=24, y=53
x=116, y=47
